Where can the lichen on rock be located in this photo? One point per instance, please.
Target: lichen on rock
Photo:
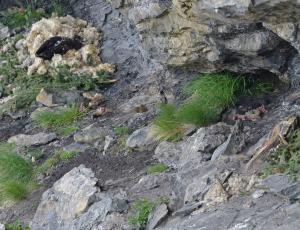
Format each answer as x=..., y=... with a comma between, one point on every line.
x=85, y=60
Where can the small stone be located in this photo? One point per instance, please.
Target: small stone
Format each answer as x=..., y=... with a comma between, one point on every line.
x=45, y=98
x=157, y=216
x=140, y=138
x=258, y=193
x=76, y=147
x=188, y=209
x=90, y=135
x=32, y=140
x=4, y=32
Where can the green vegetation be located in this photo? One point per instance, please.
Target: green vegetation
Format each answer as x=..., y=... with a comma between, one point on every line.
x=158, y=168
x=285, y=159
x=60, y=156
x=28, y=12
x=141, y=211
x=208, y=96
x=121, y=131
x=61, y=121
x=15, y=174
x=16, y=226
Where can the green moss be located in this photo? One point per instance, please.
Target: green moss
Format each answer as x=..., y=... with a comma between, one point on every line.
x=15, y=174
x=16, y=226
x=286, y=159
x=121, y=131
x=61, y=121
x=141, y=210
x=158, y=168
x=58, y=157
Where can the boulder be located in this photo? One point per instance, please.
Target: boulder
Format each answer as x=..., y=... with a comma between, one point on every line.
x=24, y=140
x=66, y=200
x=158, y=215
x=140, y=138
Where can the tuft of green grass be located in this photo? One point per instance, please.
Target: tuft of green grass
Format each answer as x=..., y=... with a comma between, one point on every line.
x=208, y=96
x=141, y=210
x=167, y=126
x=15, y=174
x=158, y=168
x=285, y=159
x=67, y=130
x=62, y=120
x=121, y=131
x=60, y=156
x=16, y=226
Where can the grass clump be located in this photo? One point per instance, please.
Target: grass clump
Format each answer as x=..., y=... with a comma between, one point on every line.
x=141, y=210
x=285, y=159
x=15, y=174
x=121, y=131
x=158, y=168
x=61, y=121
x=208, y=96
x=60, y=156
x=16, y=226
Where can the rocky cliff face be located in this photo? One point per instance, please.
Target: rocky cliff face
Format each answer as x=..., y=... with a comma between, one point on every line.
x=242, y=36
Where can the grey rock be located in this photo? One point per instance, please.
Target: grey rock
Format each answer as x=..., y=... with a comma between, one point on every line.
x=269, y=213
x=2, y=227
x=4, y=32
x=201, y=145
x=234, y=143
x=188, y=209
x=158, y=215
x=140, y=138
x=76, y=147
x=168, y=153
x=114, y=221
x=258, y=193
x=66, y=200
x=32, y=140
x=90, y=135
x=134, y=102
x=281, y=184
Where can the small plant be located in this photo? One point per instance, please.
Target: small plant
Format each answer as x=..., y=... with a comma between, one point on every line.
x=15, y=174
x=158, y=168
x=167, y=126
x=62, y=120
x=121, y=131
x=141, y=211
x=60, y=156
x=208, y=96
x=66, y=131
x=285, y=159
x=16, y=226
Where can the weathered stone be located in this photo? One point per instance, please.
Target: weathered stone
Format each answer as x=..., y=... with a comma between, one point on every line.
x=137, y=101
x=76, y=147
x=114, y=221
x=45, y=98
x=282, y=185
x=216, y=194
x=91, y=135
x=66, y=200
x=188, y=209
x=32, y=140
x=258, y=193
x=140, y=138
x=4, y=31
x=168, y=153
x=158, y=214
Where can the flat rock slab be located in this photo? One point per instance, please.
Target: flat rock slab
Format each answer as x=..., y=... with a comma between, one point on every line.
x=66, y=200
x=32, y=140
x=157, y=216
x=281, y=184
x=140, y=138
